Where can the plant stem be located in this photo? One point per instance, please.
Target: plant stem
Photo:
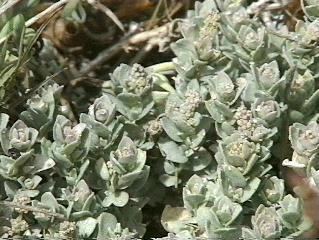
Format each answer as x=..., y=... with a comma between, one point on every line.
x=162, y=67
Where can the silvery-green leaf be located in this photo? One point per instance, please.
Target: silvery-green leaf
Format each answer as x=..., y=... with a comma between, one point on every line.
x=213, y=226
x=89, y=202
x=250, y=189
x=42, y=163
x=48, y=199
x=11, y=188
x=120, y=198
x=312, y=10
x=183, y=125
x=226, y=210
x=171, y=130
x=169, y=180
x=169, y=167
x=4, y=120
x=129, y=105
x=235, y=176
x=218, y=110
x=200, y=160
x=81, y=193
x=162, y=81
x=159, y=97
x=291, y=211
x=75, y=216
x=86, y=227
x=272, y=190
x=107, y=223
x=21, y=136
x=82, y=170
x=311, y=102
x=142, y=179
x=174, y=218
x=18, y=163
x=33, y=182
x=192, y=202
x=120, y=74
x=58, y=128
x=172, y=151
x=97, y=127
x=148, y=104
x=101, y=169
x=208, y=220
x=5, y=140
x=5, y=165
x=197, y=139
x=224, y=129
x=266, y=223
x=302, y=87
x=56, y=153
x=127, y=179
x=248, y=234
x=184, y=49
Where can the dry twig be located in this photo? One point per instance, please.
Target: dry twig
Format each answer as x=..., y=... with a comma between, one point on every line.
x=32, y=209
x=157, y=36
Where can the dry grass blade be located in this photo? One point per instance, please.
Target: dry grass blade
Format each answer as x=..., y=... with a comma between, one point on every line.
x=7, y=5
x=107, y=12
x=44, y=14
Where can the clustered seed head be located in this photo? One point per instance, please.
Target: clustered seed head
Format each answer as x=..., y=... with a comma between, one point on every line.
x=236, y=148
x=308, y=135
x=241, y=82
x=139, y=80
x=37, y=103
x=72, y=134
x=251, y=39
x=28, y=183
x=18, y=226
x=245, y=121
x=193, y=98
x=154, y=127
x=21, y=200
x=268, y=73
x=110, y=167
x=298, y=84
x=243, y=116
x=210, y=25
x=187, y=108
x=192, y=101
x=171, y=107
x=266, y=107
x=125, y=152
x=313, y=29
x=40, y=214
x=20, y=134
x=239, y=16
x=235, y=192
x=101, y=114
x=67, y=230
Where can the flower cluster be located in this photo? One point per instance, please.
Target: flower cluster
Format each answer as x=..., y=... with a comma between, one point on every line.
x=216, y=125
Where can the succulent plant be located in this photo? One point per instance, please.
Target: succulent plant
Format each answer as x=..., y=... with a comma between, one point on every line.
x=266, y=224
x=205, y=134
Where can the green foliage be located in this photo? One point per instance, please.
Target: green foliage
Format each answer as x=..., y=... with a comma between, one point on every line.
x=242, y=103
